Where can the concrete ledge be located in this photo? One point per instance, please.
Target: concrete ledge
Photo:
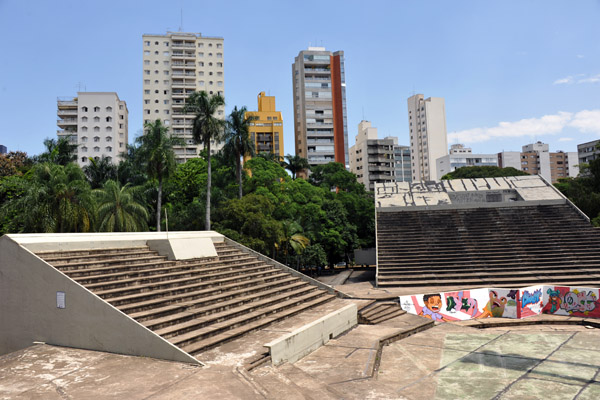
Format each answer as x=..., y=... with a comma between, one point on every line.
x=77, y=241
x=310, y=337
x=184, y=248
x=463, y=206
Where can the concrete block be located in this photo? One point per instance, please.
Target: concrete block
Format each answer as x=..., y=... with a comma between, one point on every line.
x=184, y=248
x=304, y=340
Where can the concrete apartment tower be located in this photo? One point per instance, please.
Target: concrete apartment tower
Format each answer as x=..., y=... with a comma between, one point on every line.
x=266, y=126
x=176, y=65
x=372, y=159
x=320, y=127
x=428, y=139
x=97, y=123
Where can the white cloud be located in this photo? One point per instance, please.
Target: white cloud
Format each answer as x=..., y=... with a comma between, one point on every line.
x=584, y=121
x=590, y=79
x=565, y=139
x=562, y=81
x=579, y=78
x=580, y=56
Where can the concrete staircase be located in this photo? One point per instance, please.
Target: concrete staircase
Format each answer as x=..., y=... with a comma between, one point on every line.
x=505, y=246
x=378, y=312
x=195, y=304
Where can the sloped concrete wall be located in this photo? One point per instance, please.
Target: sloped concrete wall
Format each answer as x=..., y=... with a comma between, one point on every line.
x=29, y=312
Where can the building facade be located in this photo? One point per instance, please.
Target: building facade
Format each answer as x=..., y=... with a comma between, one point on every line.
x=266, y=126
x=403, y=163
x=428, y=139
x=536, y=159
x=3, y=149
x=461, y=156
x=372, y=159
x=320, y=124
x=97, y=122
x=588, y=151
x=174, y=66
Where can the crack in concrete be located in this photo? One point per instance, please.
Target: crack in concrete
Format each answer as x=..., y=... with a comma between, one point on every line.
x=594, y=379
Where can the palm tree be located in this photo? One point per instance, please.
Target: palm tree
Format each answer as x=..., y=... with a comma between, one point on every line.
x=237, y=141
x=58, y=199
x=296, y=164
x=292, y=237
x=206, y=128
x=100, y=171
x=156, y=153
x=59, y=151
x=117, y=209
x=276, y=158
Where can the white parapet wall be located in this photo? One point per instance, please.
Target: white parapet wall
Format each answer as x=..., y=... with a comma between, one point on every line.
x=304, y=340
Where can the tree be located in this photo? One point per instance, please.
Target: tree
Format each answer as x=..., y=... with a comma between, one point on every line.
x=334, y=177
x=237, y=141
x=292, y=237
x=59, y=151
x=100, y=171
x=57, y=199
x=13, y=163
x=118, y=210
x=207, y=127
x=296, y=164
x=156, y=153
x=483, y=172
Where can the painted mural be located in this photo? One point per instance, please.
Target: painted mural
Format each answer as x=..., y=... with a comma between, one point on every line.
x=504, y=303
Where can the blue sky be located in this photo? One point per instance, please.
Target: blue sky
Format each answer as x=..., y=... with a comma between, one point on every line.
x=511, y=72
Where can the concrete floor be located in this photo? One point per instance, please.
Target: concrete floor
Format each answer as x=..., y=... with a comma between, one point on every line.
x=449, y=361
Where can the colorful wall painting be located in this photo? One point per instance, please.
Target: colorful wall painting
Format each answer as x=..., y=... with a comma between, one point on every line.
x=571, y=301
x=504, y=303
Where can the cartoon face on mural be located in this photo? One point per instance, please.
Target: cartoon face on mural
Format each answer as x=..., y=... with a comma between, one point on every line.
x=553, y=302
x=495, y=306
x=433, y=306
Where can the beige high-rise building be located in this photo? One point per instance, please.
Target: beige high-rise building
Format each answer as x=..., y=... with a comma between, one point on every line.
x=320, y=125
x=428, y=139
x=176, y=65
x=97, y=123
x=371, y=159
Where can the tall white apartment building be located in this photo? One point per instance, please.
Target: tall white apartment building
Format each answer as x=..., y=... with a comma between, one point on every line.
x=320, y=125
x=97, y=123
x=461, y=156
x=428, y=140
x=176, y=65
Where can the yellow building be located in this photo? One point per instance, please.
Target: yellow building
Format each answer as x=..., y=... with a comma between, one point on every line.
x=266, y=126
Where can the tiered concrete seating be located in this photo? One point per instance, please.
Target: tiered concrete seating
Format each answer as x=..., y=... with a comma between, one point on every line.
x=195, y=304
x=504, y=246
x=378, y=312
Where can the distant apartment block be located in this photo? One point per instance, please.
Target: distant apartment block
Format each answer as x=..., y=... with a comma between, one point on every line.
x=266, y=126
x=3, y=149
x=319, y=87
x=97, y=122
x=536, y=159
x=461, y=156
x=428, y=140
x=588, y=151
x=371, y=159
x=175, y=65
x=402, y=162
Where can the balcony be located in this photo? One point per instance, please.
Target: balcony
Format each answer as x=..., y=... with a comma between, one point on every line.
x=67, y=104
x=72, y=111
x=183, y=74
x=67, y=121
x=62, y=132
x=183, y=55
x=183, y=84
x=183, y=45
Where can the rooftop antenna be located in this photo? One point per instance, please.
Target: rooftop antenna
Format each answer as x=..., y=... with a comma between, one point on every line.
x=181, y=20
x=363, y=110
x=79, y=85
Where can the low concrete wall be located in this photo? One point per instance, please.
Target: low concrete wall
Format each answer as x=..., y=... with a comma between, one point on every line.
x=31, y=292
x=310, y=337
x=184, y=248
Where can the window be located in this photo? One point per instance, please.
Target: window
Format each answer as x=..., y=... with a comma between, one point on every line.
x=200, y=54
x=155, y=111
x=156, y=43
x=83, y=159
x=166, y=63
x=219, y=73
x=201, y=64
x=146, y=111
x=84, y=139
x=108, y=148
x=84, y=128
x=200, y=73
x=166, y=101
x=156, y=71
x=201, y=83
x=147, y=82
x=84, y=149
x=84, y=119
x=96, y=149
x=166, y=53
x=96, y=109
x=109, y=138
x=210, y=45
x=219, y=45
x=108, y=119
x=166, y=44
x=146, y=62
x=210, y=82
x=210, y=54
x=219, y=64
x=166, y=82
x=147, y=71
x=146, y=101
x=219, y=55
x=210, y=73
x=210, y=64
x=147, y=43
x=96, y=138
x=84, y=109
x=167, y=111
x=166, y=72
x=120, y=126
x=96, y=119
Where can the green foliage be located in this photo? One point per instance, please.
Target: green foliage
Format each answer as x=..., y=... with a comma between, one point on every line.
x=14, y=163
x=58, y=151
x=237, y=141
x=483, y=172
x=584, y=190
x=265, y=173
x=334, y=176
x=100, y=171
x=296, y=164
x=118, y=210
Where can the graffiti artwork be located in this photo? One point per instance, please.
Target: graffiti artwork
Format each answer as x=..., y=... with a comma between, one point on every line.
x=504, y=303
